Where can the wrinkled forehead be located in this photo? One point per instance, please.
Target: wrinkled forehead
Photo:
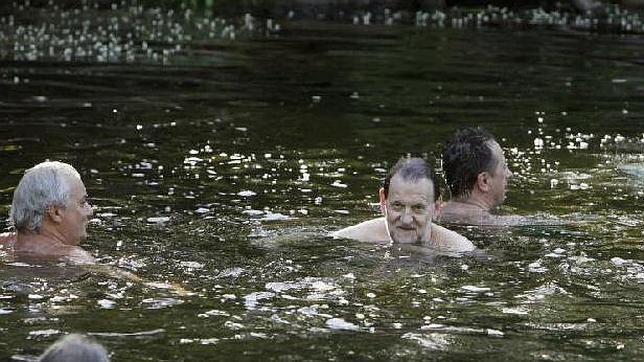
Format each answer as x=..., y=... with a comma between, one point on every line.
x=422, y=188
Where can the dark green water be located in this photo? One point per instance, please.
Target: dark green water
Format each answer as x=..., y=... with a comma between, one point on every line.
x=222, y=167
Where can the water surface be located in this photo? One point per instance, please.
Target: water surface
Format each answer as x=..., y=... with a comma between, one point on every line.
x=221, y=168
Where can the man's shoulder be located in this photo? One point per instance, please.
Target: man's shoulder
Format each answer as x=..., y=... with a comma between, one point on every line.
x=373, y=230
x=7, y=240
x=78, y=255
x=456, y=213
x=453, y=213
x=445, y=238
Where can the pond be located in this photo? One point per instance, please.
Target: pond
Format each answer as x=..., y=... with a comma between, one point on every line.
x=217, y=170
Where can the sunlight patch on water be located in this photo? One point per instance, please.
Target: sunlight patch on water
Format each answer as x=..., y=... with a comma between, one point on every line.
x=160, y=303
x=341, y=325
x=430, y=341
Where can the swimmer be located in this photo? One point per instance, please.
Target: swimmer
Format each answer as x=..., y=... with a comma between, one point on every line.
x=75, y=347
x=407, y=201
x=50, y=212
x=477, y=176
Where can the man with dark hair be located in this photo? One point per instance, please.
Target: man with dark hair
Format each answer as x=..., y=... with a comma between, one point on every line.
x=407, y=201
x=477, y=177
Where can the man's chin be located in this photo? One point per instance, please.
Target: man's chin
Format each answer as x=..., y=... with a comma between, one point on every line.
x=405, y=237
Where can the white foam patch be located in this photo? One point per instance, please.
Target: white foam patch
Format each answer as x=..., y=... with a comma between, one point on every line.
x=536, y=267
x=161, y=303
x=44, y=333
x=517, y=311
x=191, y=264
x=475, y=289
x=431, y=341
x=106, y=304
x=252, y=300
x=213, y=313
x=230, y=272
x=341, y=324
x=246, y=193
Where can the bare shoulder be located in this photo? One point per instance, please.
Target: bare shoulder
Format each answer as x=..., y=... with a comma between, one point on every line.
x=7, y=240
x=373, y=230
x=77, y=255
x=444, y=238
x=452, y=213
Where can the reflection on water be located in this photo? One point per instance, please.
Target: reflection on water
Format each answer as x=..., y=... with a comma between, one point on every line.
x=224, y=172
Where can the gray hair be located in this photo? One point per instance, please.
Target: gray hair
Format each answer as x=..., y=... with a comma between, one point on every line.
x=44, y=185
x=75, y=348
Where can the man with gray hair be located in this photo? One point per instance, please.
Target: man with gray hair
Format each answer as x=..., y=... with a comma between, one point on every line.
x=408, y=205
x=50, y=213
x=75, y=348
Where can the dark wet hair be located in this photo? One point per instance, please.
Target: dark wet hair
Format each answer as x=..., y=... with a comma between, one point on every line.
x=76, y=348
x=467, y=154
x=411, y=169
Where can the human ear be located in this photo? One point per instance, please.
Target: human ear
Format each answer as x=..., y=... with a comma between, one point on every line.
x=483, y=181
x=383, y=200
x=54, y=213
x=436, y=209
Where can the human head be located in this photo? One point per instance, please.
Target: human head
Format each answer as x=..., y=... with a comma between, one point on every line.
x=407, y=200
x=51, y=191
x=473, y=161
x=75, y=348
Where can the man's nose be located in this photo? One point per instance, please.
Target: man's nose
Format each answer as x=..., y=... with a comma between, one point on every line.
x=406, y=217
x=508, y=172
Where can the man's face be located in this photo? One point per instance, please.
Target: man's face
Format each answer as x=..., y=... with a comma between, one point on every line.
x=409, y=208
x=75, y=215
x=499, y=177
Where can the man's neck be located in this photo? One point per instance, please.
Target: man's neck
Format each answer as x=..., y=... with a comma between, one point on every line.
x=475, y=201
x=45, y=241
